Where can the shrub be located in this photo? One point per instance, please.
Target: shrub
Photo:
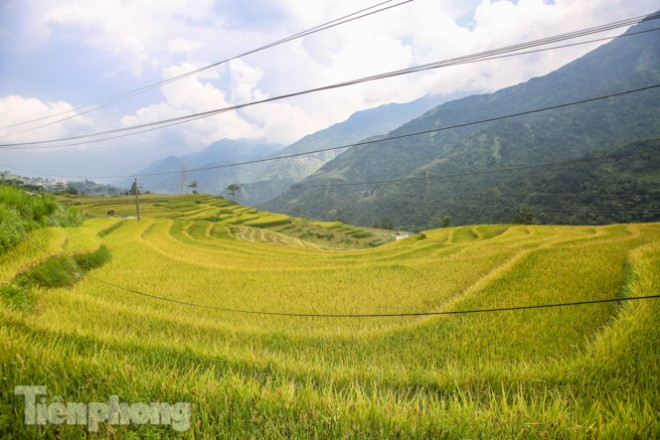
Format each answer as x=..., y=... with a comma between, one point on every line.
x=60, y=271
x=93, y=260
x=271, y=223
x=361, y=234
x=524, y=216
x=15, y=297
x=21, y=212
x=12, y=228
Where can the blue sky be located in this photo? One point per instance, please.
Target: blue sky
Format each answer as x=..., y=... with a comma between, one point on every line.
x=61, y=54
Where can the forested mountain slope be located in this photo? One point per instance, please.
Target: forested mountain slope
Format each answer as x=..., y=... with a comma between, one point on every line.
x=417, y=181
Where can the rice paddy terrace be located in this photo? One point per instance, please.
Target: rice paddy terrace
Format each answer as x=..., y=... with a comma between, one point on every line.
x=190, y=307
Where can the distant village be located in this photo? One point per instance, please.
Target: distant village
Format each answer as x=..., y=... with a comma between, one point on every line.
x=65, y=186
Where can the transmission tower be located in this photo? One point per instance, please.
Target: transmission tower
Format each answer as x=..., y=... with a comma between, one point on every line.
x=184, y=177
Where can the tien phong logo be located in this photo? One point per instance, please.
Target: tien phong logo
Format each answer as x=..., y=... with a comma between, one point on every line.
x=39, y=410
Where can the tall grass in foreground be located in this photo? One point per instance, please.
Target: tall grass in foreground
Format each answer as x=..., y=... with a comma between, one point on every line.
x=579, y=372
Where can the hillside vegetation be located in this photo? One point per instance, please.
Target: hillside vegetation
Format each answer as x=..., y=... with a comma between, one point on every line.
x=261, y=181
x=588, y=371
x=21, y=212
x=483, y=172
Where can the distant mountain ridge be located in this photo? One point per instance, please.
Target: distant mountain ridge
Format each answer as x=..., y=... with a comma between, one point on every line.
x=421, y=197
x=366, y=123
x=225, y=151
x=279, y=176
x=262, y=181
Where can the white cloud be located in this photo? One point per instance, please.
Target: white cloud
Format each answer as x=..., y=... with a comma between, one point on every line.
x=196, y=94
x=139, y=34
x=283, y=123
x=182, y=45
x=16, y=110
x=244, y=82
x=167, y=38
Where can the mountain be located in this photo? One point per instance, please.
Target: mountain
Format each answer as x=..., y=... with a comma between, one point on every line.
x=620, y=183
x=281, y=174
x=354, y=187
x=265, y=180
x=225, y=151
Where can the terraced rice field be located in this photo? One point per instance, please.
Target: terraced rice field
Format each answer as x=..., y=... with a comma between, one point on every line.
x=590, y=371
x=241, y=219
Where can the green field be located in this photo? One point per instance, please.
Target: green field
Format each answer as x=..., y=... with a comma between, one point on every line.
x=590, y=371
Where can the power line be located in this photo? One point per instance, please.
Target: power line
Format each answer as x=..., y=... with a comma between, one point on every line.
x=373, y=315
x=104, y=103
x=417, y=133
x=472, y=173
x=355, y=315
x=373, y=141
x=435, y=65
x=557, y=206
x=489, y=194
x=133, y=133
x=479, y=60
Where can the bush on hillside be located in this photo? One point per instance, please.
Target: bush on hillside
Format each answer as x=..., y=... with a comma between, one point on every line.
x=21, y=212
x=60, y=271
x=12, y=228
x=98, y=258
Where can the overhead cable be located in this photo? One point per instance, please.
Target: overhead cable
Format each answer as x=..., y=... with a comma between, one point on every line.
x=104, y=103
x=374, y=315
x=369, y=142
x=357, y=315
x=391, y=74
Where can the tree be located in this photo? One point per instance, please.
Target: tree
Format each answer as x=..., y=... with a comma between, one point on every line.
x=384, y=224
x=446, y=222
x=524, y=216
x=194, y=185
x=233, y=189
x=134, y=189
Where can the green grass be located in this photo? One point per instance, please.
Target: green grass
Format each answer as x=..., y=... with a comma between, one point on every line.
x=576, y=372
x=57, y=271
x=21, y=212
x=93, y=260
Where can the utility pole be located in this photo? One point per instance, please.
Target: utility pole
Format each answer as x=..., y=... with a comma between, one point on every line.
x=137, y=200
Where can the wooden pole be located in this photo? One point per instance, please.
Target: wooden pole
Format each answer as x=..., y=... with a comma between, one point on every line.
x=137, y=200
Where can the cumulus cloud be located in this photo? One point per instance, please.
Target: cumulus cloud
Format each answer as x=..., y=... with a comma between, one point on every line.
x=199, y=93
x=281, y=122
x=143, y=39
x=16, y=110
x=138, y=34
x=421, y=32
x=182, y=45
x=244, y=82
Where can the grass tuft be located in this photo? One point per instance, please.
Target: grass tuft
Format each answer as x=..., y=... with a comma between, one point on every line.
x=98, y=258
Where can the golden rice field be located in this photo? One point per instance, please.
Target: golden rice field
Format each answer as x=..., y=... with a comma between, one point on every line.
x=590, y=371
